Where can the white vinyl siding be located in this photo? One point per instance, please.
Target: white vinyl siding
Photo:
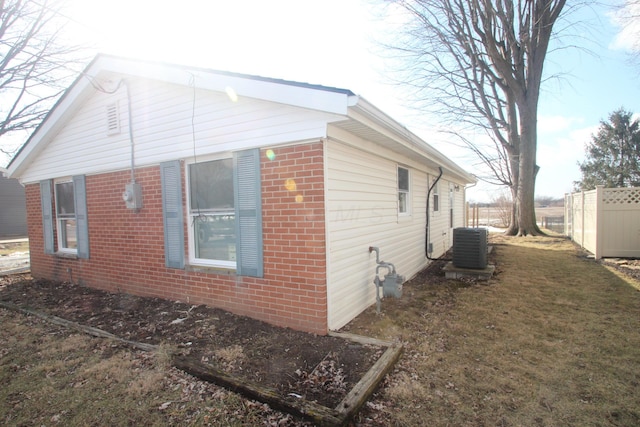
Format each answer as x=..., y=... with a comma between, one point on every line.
x=162, y=129
x=440, y=235
x=362, y=211
x=441, y=227
x=460, y=207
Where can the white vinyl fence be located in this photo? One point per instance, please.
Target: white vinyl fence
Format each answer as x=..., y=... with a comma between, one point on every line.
x=605, y=221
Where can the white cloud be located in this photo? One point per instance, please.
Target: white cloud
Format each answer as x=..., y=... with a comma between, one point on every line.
x=566, y=148
x=558, y=157
x=554, y=124
x=627, y=20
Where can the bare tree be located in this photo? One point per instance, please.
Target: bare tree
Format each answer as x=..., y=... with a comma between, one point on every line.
x=35, y=64
x=480, y=63
x=501, y=202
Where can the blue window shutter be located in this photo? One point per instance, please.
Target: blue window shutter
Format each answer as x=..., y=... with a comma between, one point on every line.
x=47, y=215
x=82, y=222
x=248, y=203
x=171, y=176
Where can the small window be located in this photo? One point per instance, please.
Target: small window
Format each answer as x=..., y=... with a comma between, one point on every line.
x=436, y=199
x=403, y=190
x=212, y=213
x=451, y=203
x=66, y=216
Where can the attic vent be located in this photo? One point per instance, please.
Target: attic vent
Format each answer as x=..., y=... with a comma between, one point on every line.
x=113, y=119
x=470, y=248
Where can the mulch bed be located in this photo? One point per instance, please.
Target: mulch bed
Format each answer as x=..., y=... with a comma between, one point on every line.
x=627, y=266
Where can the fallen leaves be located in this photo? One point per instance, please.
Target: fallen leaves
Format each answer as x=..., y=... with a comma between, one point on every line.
x=326, y=377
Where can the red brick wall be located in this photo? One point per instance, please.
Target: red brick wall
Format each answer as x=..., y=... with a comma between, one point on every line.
x=127, y=248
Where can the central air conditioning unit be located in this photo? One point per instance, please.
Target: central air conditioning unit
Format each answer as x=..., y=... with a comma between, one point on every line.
x=470, y=247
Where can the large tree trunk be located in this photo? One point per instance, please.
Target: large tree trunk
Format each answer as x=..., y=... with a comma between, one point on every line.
x=524, y=200
x=525, y=205
x=512, y=230
x=515, y=177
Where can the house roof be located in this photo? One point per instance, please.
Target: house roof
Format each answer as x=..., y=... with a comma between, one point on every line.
x=361, y=117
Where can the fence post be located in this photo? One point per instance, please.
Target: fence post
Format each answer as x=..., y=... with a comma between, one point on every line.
x=573, y=215
x=566, y=214
x=599, y=220
x=467, y=217
x=474, y=214
x=582, y=213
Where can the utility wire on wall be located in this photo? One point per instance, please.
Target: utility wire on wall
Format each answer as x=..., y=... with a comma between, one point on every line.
x=133, y=191
x=200, y=216
x=133, y=157
x=100, y=88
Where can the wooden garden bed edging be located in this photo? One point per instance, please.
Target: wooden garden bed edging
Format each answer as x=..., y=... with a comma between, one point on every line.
x=362, y=391
x=319, y=414
x=311, y=411
x=78, y=327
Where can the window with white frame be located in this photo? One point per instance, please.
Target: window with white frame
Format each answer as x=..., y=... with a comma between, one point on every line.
x=403, y=191
x=212, y=221
x=436, y=198
x=451, y=203
x=66, y=216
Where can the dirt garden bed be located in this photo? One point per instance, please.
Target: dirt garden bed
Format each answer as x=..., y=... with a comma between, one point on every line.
x=297, y=365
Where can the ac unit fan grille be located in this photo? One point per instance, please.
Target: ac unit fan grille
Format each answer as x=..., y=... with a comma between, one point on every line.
x=470, y=248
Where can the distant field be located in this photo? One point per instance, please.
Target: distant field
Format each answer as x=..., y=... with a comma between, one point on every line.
x=497, y=217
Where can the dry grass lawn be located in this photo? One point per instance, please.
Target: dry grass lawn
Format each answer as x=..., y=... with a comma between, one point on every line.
x=552, y=340
x=52, y=376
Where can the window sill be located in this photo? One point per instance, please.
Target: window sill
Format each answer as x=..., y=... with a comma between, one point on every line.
x=68, y=255
x=210, y=270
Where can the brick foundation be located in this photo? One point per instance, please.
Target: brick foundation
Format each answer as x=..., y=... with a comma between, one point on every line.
x=127, y=248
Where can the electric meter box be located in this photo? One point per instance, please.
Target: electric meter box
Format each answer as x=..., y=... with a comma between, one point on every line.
x=133, y=196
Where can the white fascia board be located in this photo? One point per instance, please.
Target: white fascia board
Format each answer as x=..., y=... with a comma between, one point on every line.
x=305, y=96
x=369, y=115
x=314, y=99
